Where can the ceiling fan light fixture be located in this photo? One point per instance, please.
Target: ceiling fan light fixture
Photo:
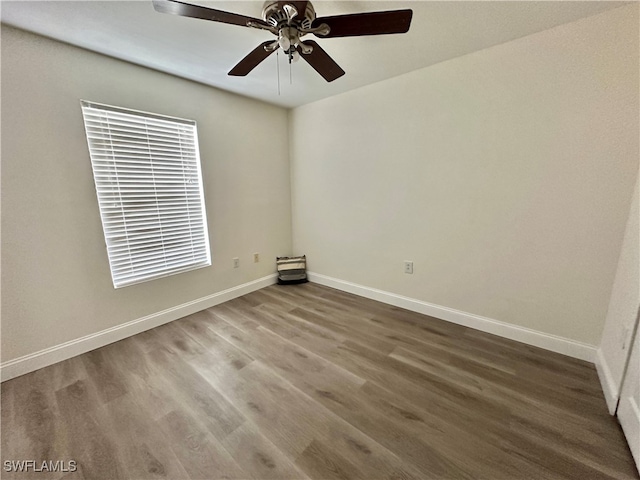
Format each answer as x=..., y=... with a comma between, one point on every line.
x=284, y=42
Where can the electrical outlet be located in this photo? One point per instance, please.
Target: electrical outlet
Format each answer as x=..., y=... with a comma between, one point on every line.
x=236, y=262
x=408, y=267
x=256, y=257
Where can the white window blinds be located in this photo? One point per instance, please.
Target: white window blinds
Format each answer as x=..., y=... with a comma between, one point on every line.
x=146, y=169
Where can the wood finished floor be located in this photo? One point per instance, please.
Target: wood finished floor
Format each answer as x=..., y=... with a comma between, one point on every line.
x=304, y=382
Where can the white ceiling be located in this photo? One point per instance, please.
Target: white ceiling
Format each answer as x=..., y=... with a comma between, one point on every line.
x=205, y=51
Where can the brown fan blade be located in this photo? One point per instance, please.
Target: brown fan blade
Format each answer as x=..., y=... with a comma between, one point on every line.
x=195, y=11
x=321, y=62
x=252, y=60
x=373, y=23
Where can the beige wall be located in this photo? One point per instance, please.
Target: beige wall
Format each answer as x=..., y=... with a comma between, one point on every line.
x=56, y=284
x=505, y=175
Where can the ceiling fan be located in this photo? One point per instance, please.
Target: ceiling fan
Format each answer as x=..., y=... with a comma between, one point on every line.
x=290, y=21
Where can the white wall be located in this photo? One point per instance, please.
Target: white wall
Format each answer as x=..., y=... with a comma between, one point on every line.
x=56, y=284
x=623, y=310
x=505, y=175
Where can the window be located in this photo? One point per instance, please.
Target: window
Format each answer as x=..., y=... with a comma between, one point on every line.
x=146, y=169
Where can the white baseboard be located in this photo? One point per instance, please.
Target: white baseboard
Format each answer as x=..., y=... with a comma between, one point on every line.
x=547, y=341
x=611, y=391
x=49, y=356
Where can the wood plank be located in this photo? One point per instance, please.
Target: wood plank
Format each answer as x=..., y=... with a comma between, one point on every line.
x=89, y=437
x=321, y=461
x=201, y=455
x=32, y=428
x=258, y=456
x=145, y=451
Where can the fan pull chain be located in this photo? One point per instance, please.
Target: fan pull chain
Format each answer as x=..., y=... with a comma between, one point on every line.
x=278, y=69
x=290, y=81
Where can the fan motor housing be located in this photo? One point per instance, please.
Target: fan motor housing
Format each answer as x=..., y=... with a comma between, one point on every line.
x=274, y=15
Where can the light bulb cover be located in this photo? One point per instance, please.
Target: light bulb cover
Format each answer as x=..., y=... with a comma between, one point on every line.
x=284, y=42
x=295, y=56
